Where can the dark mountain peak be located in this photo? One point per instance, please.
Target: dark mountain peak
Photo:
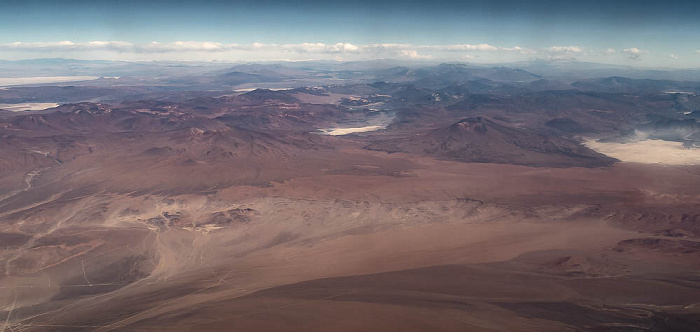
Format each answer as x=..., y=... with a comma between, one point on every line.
x=485, y=140
x=452, y=66
x=477, y=124
x=566, y=125
x=263, y=95
x=616, y=79
x=474, y=119
x=619, y=84
x=84, y=108
x=398, y=70
x=261, y=68
x=312, y=90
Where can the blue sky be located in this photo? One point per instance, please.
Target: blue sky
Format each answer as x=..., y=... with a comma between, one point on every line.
x=641, y=33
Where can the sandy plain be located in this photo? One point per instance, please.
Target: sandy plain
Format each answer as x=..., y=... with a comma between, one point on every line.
x=349, y=240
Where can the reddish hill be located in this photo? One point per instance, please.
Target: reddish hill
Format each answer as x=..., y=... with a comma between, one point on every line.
x=35, y=141
x=484, y=140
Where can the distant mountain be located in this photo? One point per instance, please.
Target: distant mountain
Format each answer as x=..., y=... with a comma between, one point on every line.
x=262, y=73
x=105, y=68
x=576, y=70
x=567, y=126
x=237, y=78
x=686, y=131
x=618, y=84
x=269, y=69
x=436, y=76
x=262, y=95
x=57, y=61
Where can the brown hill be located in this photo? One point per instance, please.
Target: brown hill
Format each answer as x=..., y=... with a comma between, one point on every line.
x=37, y=141
x=484, y=140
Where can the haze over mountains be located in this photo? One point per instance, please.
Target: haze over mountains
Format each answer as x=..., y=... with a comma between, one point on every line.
x=348, y=196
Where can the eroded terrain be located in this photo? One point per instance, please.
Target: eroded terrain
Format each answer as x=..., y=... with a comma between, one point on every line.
x=462, y=213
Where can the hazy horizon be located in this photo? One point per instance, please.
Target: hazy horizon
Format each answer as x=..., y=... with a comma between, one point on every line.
x=640, y=34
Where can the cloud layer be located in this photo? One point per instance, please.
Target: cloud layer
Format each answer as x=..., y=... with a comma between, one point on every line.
x=196, y=46
x=213, y=50
x=206, y=51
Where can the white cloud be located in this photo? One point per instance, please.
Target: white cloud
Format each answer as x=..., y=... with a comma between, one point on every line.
x=609, y=51
x=467, y=47
x=178, y=46
x=566, y=49
x=633, y=53
x=557, y=53
x=405, y=50
x=317, y=48
x=477, y=48
x=119, y=46
x=520, y=50
x=413, y=54
x=39, y=45
x=561, y=57
x=673, y=56
x=197, y=46
x=389, y=46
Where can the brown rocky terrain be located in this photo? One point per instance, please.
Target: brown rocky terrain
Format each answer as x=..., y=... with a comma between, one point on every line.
x=484, y=140
x=233, y=212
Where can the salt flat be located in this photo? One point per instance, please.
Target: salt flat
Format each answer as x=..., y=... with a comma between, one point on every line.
x=27, y=106
x=651, y=151
x=345, y=131
x=9, y=81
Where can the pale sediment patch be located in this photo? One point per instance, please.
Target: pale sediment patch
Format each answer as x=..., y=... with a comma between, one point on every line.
x=345, y=131
x=27, y=106
x=8, y=81
x=256, y=88
x=651, y=151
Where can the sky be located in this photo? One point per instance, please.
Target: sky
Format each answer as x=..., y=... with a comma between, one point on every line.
x=637, y=33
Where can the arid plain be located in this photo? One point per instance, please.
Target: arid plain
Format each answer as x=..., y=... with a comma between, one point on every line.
x=239, y=213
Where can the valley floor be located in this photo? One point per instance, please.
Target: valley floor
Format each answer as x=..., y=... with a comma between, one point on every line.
x=394, y=242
